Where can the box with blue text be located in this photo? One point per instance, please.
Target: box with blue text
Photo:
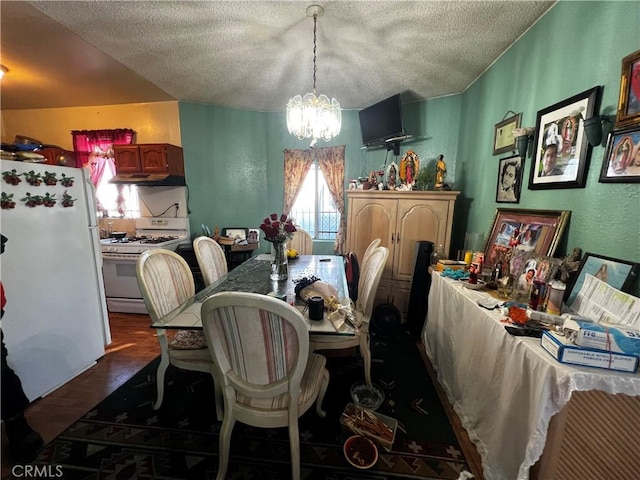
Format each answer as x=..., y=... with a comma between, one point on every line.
x=567, y=352
x=603, y=336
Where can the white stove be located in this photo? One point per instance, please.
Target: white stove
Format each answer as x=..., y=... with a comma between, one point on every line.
x=121, y=255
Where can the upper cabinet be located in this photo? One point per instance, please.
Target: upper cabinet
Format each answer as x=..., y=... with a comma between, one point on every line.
x=149, y=158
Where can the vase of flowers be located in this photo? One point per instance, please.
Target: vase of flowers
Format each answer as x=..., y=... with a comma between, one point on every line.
x=278, y=229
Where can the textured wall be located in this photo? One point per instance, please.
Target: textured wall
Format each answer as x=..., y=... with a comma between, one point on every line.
x=573, y=48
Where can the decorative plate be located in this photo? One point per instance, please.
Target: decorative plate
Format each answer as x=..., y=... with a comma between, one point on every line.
x=472, y=286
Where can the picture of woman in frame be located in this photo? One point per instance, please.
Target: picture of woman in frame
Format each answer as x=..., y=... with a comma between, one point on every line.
x=509, y=181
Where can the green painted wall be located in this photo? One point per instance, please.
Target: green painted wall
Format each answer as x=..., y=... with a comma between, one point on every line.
x=234, y=158
x=574, y=47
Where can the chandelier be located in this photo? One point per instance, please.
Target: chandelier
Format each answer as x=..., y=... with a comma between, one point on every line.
x=314, y=116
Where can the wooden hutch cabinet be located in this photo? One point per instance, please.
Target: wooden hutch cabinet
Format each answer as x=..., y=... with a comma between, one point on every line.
x=149, y=158
x=399, y=219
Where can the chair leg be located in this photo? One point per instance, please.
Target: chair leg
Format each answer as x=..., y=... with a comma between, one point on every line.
x=225, y=445
x=294, y=440
x=219, y=399
x=162, y=368
x=324, y=383
x=365, y=351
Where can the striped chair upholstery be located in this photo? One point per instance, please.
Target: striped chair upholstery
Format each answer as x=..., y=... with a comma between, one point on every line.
x=166, y=282
x=211, y=259
x=260, y=348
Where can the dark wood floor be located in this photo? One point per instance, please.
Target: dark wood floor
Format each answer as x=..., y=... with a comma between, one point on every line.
x=133, y=346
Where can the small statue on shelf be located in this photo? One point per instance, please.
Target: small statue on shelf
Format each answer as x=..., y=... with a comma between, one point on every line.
x=441, y=170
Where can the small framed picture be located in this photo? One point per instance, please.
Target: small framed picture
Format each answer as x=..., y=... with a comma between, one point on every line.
x=621, y=162
x=561, y=149
x=629, y=102
x=503, y=139
x=235, y=233
x=509, y=183
x=254, y=235
x=620, y=274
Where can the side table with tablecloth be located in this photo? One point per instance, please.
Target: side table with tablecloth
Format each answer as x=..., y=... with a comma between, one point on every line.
x=506, y=389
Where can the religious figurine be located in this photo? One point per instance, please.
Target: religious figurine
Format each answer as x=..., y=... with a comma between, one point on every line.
x=409, y=167
x=441, y=170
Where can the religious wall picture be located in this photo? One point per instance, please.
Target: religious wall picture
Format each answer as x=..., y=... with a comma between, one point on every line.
x=503, y=139
x=621, y=163
x=561, y=150
x=629, y=102
x=509, y=183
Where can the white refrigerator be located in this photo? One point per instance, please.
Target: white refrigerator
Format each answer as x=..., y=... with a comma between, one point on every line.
x=55, y=322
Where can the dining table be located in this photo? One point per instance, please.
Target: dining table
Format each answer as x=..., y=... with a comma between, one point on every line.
x=254, y=276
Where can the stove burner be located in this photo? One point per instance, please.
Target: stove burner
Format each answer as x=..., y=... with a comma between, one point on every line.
x=143, y=239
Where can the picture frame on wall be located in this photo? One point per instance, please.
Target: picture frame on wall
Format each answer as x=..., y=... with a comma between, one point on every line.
x=539, y=231
x=629, y=101
x=621, y=163
x=509, y=185
x=561, y=150
x=503, y=139
x=620, y=274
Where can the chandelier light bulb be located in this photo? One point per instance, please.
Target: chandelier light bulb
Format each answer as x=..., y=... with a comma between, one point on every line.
x=314, y=116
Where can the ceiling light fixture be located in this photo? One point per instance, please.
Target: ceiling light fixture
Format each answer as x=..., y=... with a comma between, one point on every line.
x=314, y=116
x=3, y=70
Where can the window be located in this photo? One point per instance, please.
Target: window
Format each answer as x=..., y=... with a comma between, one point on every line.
x=107, y=195
x=314, y=209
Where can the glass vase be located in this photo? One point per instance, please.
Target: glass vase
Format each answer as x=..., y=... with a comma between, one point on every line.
x=280, y=263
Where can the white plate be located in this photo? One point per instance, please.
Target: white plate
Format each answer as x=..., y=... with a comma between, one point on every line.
x=472, y=286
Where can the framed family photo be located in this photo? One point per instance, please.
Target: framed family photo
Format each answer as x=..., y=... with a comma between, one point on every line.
x=503, y=139
x=629, y=102
x=509, y=183
x=561, y=149
x=621, y=162
x=538, y=231
x=620, y=274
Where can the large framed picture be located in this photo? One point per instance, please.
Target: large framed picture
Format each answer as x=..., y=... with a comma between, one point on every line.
x=539, y=231
x=561, y=149
x=503, y=139
x=509, y=183
x=629, y=102
x=620, y=274
x=621, y=162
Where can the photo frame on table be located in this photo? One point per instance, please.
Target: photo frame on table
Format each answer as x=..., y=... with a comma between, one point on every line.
x=561, y=150
x=533, y=268
x=621, y=163
x=620, y=274
x=629, y=101
x=503, y=139
x=235, y=232
x=539, y=231
x=509, y=185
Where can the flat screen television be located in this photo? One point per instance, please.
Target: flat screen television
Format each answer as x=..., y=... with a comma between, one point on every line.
x=381, y=121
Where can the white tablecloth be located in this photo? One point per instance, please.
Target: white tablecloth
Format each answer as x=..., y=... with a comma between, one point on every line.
x=504, y=388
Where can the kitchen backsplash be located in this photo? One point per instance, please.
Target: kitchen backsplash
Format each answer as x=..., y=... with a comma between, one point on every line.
x=118, y=225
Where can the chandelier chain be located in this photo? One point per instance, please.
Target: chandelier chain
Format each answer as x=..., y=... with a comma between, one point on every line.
x=315, y=67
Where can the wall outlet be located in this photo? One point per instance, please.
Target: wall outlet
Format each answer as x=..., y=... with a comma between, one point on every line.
x=159, y=221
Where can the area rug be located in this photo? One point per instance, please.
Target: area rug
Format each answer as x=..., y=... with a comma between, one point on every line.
x=124, y=438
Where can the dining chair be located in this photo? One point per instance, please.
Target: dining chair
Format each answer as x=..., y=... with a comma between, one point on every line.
x=166, y=282
x=370, y=275
x=211, y=259
x=269, y=378
x=367, y=253
x=302, y=242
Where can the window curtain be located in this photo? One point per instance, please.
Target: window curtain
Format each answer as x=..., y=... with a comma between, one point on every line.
x=94, y=150
x=296, y=165
x=331, y=163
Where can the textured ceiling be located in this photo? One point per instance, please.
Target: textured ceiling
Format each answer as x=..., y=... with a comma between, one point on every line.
x=250, y=54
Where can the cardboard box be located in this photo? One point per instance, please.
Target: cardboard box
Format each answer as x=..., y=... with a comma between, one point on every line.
x=452, y=264
x=566, y=352
x=604, y=336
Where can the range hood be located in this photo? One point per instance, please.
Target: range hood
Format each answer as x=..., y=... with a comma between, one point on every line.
x=149, y=179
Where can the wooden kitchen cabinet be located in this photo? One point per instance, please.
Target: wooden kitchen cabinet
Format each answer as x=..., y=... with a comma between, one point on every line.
x=149, y=158
x=399, y=219
x=58, y=156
